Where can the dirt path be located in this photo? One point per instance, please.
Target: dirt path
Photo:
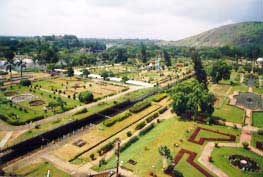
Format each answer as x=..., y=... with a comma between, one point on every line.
x=5, y=139
x=241, y=78
x=6, y=127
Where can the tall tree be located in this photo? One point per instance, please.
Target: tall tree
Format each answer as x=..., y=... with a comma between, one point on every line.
x=9, y=64
x=199, y=69
x=190, y=98
x=143, y=53
x=220, y=70
x=22, y=65
x=167, y=58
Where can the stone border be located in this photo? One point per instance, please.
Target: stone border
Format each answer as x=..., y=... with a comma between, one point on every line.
x=202, y=140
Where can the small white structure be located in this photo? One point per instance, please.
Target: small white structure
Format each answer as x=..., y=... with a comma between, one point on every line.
x=115, y=79
x=260, y=62
x=95, y=76
x=139, y=83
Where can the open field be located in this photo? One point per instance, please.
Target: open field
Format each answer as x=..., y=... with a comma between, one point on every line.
x=168, y=132
x=220, y=159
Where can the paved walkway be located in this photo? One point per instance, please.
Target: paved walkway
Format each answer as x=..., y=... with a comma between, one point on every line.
x=241, y=78
x=6, y=127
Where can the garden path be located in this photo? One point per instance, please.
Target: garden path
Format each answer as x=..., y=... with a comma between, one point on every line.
x=241, y=78
x=5, y=139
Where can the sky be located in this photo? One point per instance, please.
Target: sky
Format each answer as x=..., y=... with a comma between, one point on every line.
x=153, y=19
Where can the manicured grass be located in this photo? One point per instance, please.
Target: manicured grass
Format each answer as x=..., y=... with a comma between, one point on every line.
x=168, y=132
x=257, y=119
x=256, y=137
x=41, y=169
x=220, y=159
x=230, y=113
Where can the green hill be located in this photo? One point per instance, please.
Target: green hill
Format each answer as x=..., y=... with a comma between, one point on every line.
x=233, y=34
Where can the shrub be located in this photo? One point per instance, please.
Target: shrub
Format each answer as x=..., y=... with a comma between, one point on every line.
x=260, y=132
x=152, y=117
x=146, y=129
x=129, y=143
x=85, y=97
x=140, y=106
x=159, y=97
x=1, y=83
x=140, y=125
x=245, y=145
x=163, y=110
x=106, y=148
x=25, y=82
x=92, y=156
x=129, y=134
x=3, y=72
x=117, y=118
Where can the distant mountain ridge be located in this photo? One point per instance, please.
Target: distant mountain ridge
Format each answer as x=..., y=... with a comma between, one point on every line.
x=241, y=34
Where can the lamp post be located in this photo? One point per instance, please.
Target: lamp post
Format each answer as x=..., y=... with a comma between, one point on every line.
x=118, y=142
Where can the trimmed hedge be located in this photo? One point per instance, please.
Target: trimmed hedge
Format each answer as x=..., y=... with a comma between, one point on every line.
x=12, y=122
x=163, y=110
x=140, y=106
x=106, y=148
x=129, y=143
x=159, y=97
x=146, y=129
x=25, y=82
x=117, y=118
x=140, y=125
x=152, y=117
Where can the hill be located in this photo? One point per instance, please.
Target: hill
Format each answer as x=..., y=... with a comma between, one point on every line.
x=234, y=34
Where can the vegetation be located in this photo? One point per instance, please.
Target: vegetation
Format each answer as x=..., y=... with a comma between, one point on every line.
x=190, y=99
x=257, y=119
x=220, y=70
x=86, y=97
x=117, y=118
x=140, y=106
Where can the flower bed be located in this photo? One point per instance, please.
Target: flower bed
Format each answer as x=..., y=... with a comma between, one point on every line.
x=244, y=163
x=202, y=140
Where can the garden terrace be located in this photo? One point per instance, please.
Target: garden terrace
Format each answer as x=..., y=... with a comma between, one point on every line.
x=100, y=133
x=165, y=133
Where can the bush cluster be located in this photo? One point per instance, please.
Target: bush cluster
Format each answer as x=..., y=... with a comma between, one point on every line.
x=129, y=143
x=25, y=82
x=140, y=125
x=117, y=118
x=146, y=129
x=85, y=97
x=140, y=106
x=106, y=148
x=163, y=110
x=152, y=117
x=84, y=110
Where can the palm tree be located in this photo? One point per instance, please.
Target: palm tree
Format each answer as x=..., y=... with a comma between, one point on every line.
x=22, y=65
x=9, y=55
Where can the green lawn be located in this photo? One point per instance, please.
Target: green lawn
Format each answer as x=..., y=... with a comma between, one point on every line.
x=257, y=119
x=256, y=137
x=41, y=169
x=230, y=113
x=168, y=132
x=220, y=159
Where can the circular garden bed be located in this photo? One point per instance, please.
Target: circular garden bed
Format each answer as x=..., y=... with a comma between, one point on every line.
x=36, y=102
x=11, y=93
x=244, y=163
x=249, y=100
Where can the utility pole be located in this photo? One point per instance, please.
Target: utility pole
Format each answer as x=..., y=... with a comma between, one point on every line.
x=118, y=142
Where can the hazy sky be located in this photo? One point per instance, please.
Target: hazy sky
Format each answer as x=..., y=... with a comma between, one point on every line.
x=155, y=19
